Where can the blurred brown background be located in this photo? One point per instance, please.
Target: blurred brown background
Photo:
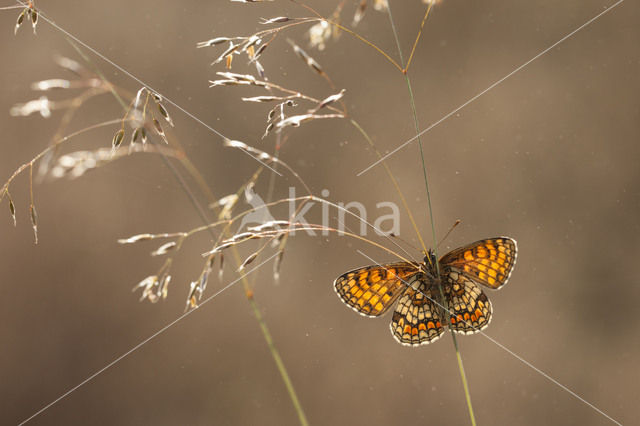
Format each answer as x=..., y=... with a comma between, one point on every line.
x=549, y=157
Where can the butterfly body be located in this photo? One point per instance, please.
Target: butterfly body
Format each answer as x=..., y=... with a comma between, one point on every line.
x=421, y=314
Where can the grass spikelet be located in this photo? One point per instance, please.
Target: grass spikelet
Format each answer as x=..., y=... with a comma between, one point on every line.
x=12, y=208
x=359, y=14
x=117, y=139
x=164, y=249
x=34, y=19
x=158, y=128
x=308, y=60
x=34, y=222
x=248, y=261
x=20, y=20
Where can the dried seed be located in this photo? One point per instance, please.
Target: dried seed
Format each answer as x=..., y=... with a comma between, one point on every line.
x=278, y=20
x=242, y=236
x=235, y=144
x=380, y=5
x=247, y=261
x=149, y=281
x=136, y=103
x=251, y=150
x=147, y=285
x=213, y=42
x=164, y=249
x=228, y=61
x=315, y=66
x=260, y=50
x=260, y=70
x=12, y=209
x=41, y=105
x=250, y=51
x=312, y=63
x=276, y=266
x=218, y=249
x=135, y=135
x=165, y=114
x=158, y=127
x=117, y=139
x=34, y=221
x=192, y=301
x=163, y=288
x=296, y=120
x=34, y=19
x=221, y=270
x=70, y=65
x=204, y=278
x=20, y=20
x=228, y=199
x=273, y=224
x=238, y=77
x=214, y=83
x=319, y=34
x=56, y=83
x=253, y=41
x=268, y=129
x=227, y=203
x=330, y=99
x=263, y=99
x=136, y=238
x=357, y=17
x=232, y=48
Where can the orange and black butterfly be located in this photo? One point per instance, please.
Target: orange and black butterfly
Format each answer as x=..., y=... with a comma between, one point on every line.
x=419, y=316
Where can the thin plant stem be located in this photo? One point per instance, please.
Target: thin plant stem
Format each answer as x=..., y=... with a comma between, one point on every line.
x=415, y=43
x=255, y=309
x=353, y=33
x=191, y=169
x=98, y=72
x=263, y=328
x=393, y=180
x=367, y=42
x=463, y=377
x=282, y=369
x=42, y=153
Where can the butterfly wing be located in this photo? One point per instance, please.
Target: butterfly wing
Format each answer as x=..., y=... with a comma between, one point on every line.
x=469, y=308
x=372, y=290
x=417, y=319
x=488, y=262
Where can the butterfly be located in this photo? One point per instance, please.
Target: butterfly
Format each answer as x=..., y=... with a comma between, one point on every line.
x=419, y=316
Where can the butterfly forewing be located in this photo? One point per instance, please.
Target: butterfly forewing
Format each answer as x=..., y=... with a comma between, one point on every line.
x=488, y=262
x=372, y=290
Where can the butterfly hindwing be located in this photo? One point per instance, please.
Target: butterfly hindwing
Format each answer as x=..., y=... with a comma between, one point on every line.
x=488, y=262
x=469, y=308
x=372, y=290
x=417, y=319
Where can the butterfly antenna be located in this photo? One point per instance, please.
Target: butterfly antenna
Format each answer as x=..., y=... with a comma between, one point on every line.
x=392, y=235
x=456, y=223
